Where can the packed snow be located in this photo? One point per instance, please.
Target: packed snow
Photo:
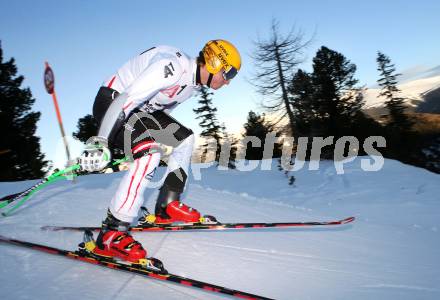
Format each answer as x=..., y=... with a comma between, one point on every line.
x=391, y=251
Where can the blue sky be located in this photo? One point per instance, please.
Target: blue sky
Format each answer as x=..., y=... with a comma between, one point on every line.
x=86, y=41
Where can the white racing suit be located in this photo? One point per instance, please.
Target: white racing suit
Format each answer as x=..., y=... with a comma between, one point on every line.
x=136, y=101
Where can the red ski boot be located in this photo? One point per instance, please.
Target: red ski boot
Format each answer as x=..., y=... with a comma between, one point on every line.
x=115, y=241
x=169, y=209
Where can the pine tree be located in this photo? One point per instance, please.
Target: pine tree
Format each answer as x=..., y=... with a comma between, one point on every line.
x=337, y=99
x=402, y=142
x=394, y=103
x=209, y=123
x=20, y=155
x=87, y=127
x=302, y=100
x=257, y=126
x=229, y=144
x=327, y=101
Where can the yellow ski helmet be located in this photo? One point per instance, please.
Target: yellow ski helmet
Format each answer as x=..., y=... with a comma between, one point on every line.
x=222, y=55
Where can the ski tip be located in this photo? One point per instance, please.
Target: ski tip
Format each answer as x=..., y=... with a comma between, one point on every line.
x=348, y=220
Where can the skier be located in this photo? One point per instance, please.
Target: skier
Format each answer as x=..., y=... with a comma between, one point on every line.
x=136, y=102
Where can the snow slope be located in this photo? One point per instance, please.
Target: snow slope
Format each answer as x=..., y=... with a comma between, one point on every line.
x=413, y=91
x=390, y=252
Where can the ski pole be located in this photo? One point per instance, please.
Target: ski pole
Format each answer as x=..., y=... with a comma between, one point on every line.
x=54, y=177
x=22, y=201
x=13, y=197
x=5, y=200
x=27, y=193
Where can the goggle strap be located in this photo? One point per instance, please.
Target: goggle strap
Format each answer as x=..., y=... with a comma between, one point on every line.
x=198, y=80
x=208, y=83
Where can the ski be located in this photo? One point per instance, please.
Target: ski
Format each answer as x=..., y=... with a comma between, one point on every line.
x=210, y=226
x=154, y=272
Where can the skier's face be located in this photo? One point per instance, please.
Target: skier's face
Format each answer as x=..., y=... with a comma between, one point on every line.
x=218, y=81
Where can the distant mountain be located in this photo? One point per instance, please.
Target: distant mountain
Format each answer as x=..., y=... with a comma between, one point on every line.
x=423, y=95
x=431, y=103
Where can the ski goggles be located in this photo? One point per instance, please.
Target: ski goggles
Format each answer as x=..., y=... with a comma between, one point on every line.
x=229, y=73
